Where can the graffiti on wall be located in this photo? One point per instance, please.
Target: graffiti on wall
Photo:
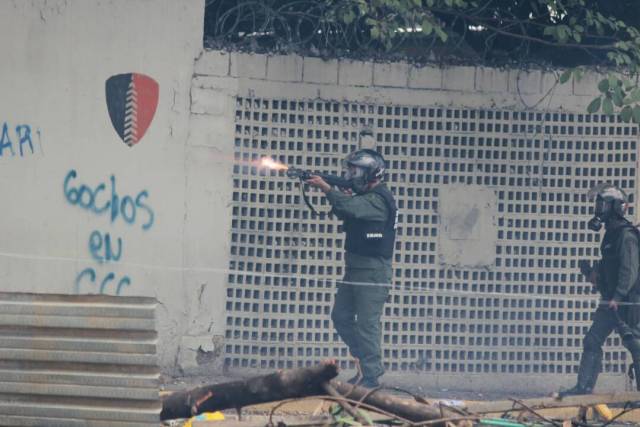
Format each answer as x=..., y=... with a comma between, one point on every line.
x=132, y=99
x=18, y=140
x=104, y=248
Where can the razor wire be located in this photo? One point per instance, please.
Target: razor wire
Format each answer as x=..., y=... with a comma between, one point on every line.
x=299, y=24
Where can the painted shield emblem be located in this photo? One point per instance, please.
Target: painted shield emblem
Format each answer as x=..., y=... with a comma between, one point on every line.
x=132, y=99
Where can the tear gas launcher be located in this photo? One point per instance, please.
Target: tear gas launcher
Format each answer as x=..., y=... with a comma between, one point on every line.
x=303, y=175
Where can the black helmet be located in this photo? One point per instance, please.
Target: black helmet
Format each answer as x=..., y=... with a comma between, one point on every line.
x=610, y=202
x=366, y=165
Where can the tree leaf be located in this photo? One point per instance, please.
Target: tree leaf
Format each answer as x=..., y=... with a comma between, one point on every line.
x=348, y=17
x=427, y=27
x=564, y=77
x=628, y=84
x=347, y=420
x=607, y=106
x=625, y=114
x=636, y=114
x=549, y=31
x=578, y=74
x=634, y=96
x=440, y=32
x=614, y=81
x=594, y=106
x=562, y=33
x=603, y=86
x=375, y=33
x=617, y=96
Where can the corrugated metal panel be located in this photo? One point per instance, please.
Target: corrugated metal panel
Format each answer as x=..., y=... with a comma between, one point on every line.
x=78, y=360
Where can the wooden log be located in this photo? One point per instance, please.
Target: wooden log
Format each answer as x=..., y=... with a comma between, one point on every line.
x=409, y=409
x=281, y=385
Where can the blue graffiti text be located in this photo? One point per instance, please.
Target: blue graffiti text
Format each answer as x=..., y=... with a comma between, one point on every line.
x=92, y=199
x=21, y=138
x=101, y=249
x=89, y=275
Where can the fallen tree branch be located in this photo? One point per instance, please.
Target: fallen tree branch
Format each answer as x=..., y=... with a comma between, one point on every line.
x=268, y=388
x=405, y=408
x=294, y=384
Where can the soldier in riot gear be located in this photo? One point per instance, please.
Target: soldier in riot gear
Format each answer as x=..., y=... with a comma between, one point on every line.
x=369, y=221
x=616, y=276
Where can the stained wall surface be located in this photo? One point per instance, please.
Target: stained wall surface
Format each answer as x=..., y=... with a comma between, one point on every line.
x=83, y=211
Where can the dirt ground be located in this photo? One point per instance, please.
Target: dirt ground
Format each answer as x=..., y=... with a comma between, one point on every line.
x=310, y=407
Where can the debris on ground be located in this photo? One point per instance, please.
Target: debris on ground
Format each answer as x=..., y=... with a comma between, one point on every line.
x=260, y=402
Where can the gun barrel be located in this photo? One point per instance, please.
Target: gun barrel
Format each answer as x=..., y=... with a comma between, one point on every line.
x=297, y=173
x=332, y=180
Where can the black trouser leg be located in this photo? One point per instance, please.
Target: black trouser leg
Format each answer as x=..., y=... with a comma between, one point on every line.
x=604, y=322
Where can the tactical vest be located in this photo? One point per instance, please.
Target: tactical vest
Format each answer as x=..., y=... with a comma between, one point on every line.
x=610, y=263
x=373, y=238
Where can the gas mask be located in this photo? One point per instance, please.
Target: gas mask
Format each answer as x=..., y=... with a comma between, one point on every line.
x=595, y=223
x=610, y=202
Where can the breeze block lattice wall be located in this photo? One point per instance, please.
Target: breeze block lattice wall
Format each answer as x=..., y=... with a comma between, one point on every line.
x=493, y=205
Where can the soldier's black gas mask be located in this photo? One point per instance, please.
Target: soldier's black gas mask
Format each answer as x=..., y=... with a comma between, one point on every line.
x=610, y=203
x=599, y=215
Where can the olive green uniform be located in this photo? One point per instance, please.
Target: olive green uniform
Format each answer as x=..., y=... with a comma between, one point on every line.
x=617, y=280
x=358, y=307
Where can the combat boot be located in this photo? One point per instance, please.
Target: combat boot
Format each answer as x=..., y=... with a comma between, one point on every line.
x=590, y=365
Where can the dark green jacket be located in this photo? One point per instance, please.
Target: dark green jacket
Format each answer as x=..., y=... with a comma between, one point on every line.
x=620, y=264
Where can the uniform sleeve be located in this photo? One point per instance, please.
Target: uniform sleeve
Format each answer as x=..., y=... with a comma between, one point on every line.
x=367, y=207
x=629, y=264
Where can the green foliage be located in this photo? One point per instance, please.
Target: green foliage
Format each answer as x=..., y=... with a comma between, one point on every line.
x=569, y=24
x=572, y=34
x=618, y=95
x=594, y=106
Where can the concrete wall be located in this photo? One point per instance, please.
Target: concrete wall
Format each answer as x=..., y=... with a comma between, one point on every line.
x=57, y=56
x=483, y=312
